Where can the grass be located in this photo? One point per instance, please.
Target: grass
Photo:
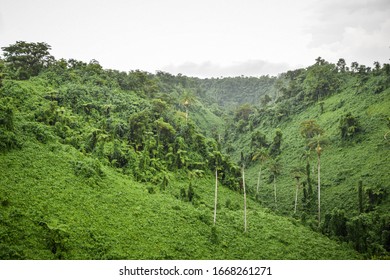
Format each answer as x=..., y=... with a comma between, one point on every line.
x=49, y=212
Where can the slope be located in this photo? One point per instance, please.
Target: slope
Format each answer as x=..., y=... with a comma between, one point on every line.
x=353, y=119
x=52, y=209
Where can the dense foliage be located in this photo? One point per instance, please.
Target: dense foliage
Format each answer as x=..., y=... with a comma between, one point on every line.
x=101, y=164
x=328, y=114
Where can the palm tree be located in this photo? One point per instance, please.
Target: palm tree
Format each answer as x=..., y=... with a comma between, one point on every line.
x=318, y=142
x=297, y=173
x=315, y=140
x=218, y=157
x=243, y=185
x=262, y=156
x=215, y=195
x=187, y=99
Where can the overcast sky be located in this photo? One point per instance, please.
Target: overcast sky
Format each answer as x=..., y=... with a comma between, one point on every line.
x=203, y=38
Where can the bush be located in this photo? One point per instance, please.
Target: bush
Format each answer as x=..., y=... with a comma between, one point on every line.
x=335, y=223
x=349, y=126
x=8, y=140
x=214, y=235
x=87, y=168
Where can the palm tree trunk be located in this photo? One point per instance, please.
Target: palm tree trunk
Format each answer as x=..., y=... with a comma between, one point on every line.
x=275, y=188
x=216, y=195
x=243, y=184
x=319, y=190
x=296, y=197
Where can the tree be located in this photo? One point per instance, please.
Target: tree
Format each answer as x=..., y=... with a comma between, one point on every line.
x=310, y=129
x=243, y=185
x=321, y=80
x=274, y=149
x=27, y=59
x=265, y=100
x=318, y=142
x=187, y=100
x=243, y=112
x=218, y=158
x=262, y=156
x=349, y=126
x=307, y=193
x=354, y=66
x=315, y=140
x=341, y=65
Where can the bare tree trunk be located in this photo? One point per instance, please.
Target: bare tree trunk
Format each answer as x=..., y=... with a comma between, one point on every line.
x=243, y=184
x=275, y=189
x=296, y=196
x=319, y=190
x=216, y=195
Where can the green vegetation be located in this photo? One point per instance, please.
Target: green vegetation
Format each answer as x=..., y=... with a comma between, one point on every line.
x=337, y=138
x=103, y=164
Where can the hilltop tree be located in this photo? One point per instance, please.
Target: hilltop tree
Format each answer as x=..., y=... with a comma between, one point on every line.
x=321, y=80
x=25, y=60
x=341, y=65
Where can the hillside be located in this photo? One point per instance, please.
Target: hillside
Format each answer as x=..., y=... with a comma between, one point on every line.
x=50, y=211
x=103, y=164
x=352, y=123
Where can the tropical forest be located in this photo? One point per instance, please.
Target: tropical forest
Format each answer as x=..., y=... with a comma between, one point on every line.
x=102, y=164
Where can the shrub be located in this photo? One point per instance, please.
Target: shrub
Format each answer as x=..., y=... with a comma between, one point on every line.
x=214, y=235
x=349, y=126
x=87, y=168
x=8, y=140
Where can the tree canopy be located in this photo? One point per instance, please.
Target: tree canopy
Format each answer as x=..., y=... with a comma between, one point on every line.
x=27, y=59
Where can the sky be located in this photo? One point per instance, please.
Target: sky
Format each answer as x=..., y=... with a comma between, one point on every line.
x=203, y=38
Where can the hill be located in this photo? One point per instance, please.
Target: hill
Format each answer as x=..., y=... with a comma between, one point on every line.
x=51, y=209
x=347, y=116
x=103, y=164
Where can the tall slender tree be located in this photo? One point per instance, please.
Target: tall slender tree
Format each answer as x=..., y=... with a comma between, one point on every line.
x=297, y=173
x=217, y=156
x=188, y=99
x=243, y=185
x=315, y=140
x=318, y=142
x=262, y=156
x=215, y=195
